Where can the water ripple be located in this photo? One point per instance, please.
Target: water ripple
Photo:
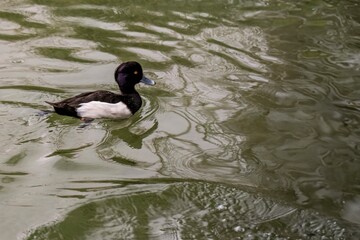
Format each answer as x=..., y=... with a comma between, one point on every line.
x=190, y=211
x=262, y=94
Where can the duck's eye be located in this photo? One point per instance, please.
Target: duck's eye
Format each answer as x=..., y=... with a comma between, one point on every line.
x=136, y=72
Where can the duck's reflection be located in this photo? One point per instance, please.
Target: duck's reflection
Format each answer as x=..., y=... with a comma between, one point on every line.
x=133, y=140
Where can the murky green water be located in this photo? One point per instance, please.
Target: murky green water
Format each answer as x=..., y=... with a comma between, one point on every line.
x=252, y=131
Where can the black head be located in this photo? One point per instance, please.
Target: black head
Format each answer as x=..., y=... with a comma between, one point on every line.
x=128, y=74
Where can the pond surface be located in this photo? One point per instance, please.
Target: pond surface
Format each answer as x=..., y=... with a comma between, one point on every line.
x=252, y=131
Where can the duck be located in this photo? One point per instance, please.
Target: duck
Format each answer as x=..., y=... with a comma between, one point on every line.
x=105, y=104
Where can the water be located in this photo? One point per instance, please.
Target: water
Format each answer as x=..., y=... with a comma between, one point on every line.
x=252, y=131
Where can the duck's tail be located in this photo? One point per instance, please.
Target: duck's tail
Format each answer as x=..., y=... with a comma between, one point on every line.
x=45, y=112
x=50, y=103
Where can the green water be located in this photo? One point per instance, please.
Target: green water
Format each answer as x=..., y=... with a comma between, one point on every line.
x=252, y=131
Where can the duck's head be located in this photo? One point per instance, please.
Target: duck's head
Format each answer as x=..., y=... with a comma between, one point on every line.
x=128, y=74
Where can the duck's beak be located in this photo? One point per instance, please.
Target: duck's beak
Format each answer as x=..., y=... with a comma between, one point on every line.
x=147, y=81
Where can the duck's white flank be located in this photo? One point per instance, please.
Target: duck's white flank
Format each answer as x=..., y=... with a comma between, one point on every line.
x=96, y=109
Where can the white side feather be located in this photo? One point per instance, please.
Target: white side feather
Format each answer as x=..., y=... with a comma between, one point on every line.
x=96, y=109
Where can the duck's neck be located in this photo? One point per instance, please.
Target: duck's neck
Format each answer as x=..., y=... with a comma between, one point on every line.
x=127, y=90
